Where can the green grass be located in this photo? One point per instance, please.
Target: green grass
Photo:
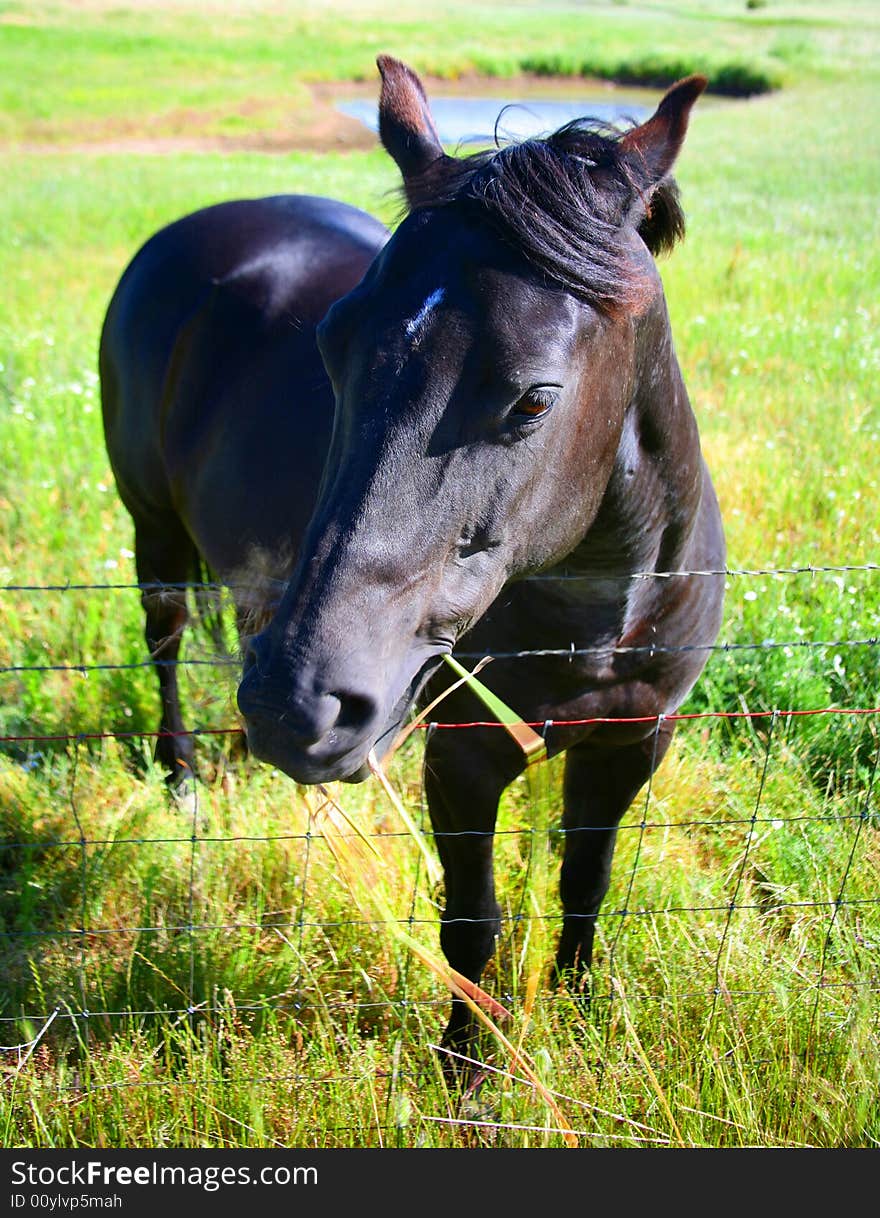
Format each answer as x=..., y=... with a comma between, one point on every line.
x=74, y=70
x=319, y=1034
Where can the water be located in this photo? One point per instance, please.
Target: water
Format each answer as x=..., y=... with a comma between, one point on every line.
x=470, y=120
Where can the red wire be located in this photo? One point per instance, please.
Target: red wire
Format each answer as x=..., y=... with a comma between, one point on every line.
x=673, y=718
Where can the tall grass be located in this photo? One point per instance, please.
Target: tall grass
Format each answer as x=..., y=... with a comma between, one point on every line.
x=264, y=1006
x=734, y=999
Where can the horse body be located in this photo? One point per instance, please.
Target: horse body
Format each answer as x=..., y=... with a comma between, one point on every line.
x=212, y=386
x=502, y=408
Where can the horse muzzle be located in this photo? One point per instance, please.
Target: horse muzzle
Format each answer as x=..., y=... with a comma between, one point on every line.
x=318, y=736
x=323, y=739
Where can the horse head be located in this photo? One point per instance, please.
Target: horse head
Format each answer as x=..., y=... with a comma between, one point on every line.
x=482, y=372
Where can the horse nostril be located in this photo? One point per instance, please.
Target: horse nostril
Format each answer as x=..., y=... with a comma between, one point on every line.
x=311, y=720
x=254, y=652
x=355, y=711
x=323, y=717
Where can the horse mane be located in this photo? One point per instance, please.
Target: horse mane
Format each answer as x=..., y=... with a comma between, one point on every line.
x=562, y=201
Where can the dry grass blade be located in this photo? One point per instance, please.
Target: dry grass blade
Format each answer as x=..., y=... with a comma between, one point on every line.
x=30, y=1045
x=646, y=1062
x=329, y=801
x=569, y=1099
x=434, y=872
x=358, y=868
x=531, y=743
x=422, y=717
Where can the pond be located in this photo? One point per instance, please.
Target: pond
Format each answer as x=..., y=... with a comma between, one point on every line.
x=473, y=119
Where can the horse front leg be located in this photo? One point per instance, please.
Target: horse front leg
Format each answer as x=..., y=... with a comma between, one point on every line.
x=464, y=779
x=601, y=782
x=166, y=556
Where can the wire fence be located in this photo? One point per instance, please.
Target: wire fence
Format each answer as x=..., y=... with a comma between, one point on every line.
x=71, y=944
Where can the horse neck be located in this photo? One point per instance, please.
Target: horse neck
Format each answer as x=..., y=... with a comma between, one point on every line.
x=653, y=496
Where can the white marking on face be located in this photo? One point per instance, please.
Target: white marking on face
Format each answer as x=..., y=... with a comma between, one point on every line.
x=416, y=323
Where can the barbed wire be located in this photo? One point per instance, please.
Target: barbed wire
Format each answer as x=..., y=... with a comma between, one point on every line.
x=85, y=939
x=404, y=1005
x=546, y=724
x=766, y=906
x=652, y=649
x=53, y=843
x=570, y=652
x=221, y=586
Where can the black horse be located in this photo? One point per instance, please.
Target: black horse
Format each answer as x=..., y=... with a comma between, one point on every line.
x=404, y=429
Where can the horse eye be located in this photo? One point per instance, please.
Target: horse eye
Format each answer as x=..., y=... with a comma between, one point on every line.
x=536, y=402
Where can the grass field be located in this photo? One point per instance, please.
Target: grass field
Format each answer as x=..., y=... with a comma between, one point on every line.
x=242, y=988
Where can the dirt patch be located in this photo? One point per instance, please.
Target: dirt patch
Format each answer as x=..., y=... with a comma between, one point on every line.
x=279, y=126
x=276, y=129
x=474, y=84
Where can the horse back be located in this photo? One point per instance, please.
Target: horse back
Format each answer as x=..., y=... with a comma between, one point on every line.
x=217, y=409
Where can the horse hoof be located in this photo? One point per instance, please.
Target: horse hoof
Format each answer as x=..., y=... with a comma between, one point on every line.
x=480, y=1120
x=185, y=793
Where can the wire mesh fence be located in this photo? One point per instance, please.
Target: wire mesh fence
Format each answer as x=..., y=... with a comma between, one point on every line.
x=124, y=907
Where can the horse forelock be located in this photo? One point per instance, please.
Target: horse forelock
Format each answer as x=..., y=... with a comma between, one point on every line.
x=563, y=202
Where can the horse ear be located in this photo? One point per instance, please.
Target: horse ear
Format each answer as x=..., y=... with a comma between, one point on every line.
x=653, y=147
x=406, y=126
